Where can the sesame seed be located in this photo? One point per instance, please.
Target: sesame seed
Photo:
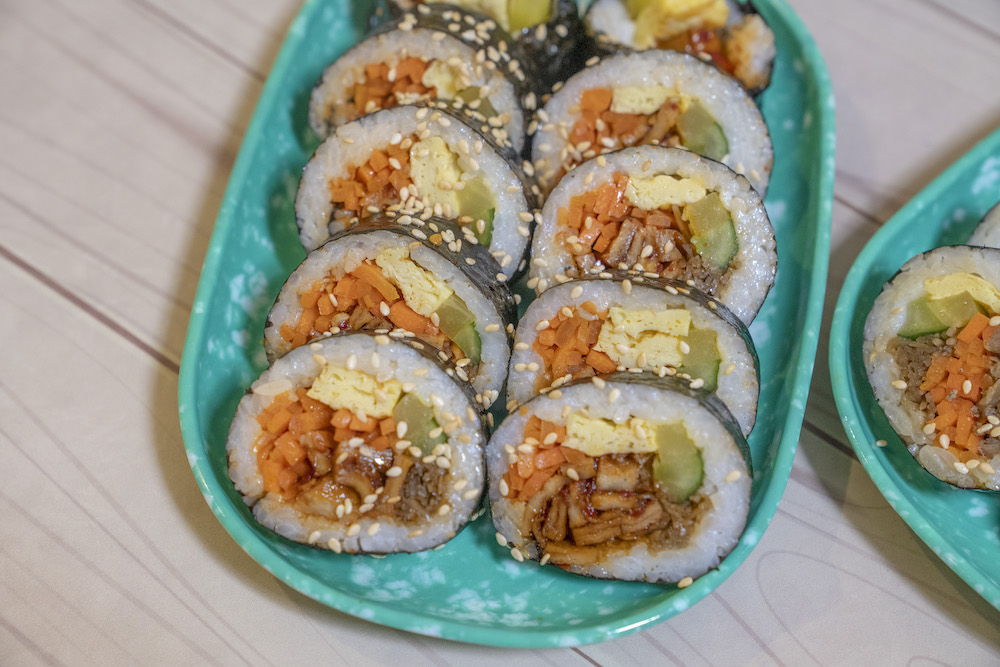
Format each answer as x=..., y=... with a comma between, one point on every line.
x=627, y=288
x=504, y=489
x=944, y=440
x=881, y=443
x=516, y=555
x=685, y=582
x=967, y=387
x=542, y=325
x=929, y=428
x=995, y=321
x=353, y=530
x=972, y=464
x=334, y=545
x=442, y=462
x=546, y=557
x=986, y=468
x=352, y=362
x=995, y=433
x=697, y=384
x=614, y=395
x=598, y=382
x=899, y=384
x=444, y=509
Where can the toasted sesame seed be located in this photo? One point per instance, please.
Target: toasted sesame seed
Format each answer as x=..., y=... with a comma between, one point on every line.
x=334, y=545
x=697, y=383
x=995, y=433
x=972, y=464
x=995, y=321
x=944, y=440
x=516, y=555
x=614, y=395
x=444, y=509
x=967, y=387
x=929, y=428
x=986, y=468
x=542, y=325
x=899, y=384
x=353, y=529
x=352, y=362
x=598, y=382
x=685, y=582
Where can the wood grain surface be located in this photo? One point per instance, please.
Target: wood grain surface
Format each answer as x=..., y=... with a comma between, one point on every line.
x=119, y=123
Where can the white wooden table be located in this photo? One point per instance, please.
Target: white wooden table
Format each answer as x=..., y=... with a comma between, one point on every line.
x=119, y=124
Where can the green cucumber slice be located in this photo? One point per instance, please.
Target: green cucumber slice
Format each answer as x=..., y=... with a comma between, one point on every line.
x=712, y=231
x=703, y=360
x=700, y=133
x=678, y=466
x=470, y=343
x=419, y=418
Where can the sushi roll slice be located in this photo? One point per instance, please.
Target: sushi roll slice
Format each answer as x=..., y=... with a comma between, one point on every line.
x=587, y=327
x=359, y=444
x=665, y=212
x=932, y=354
x=413, y=279
x=730, y=35
x=630, y=477
x=417, y=58
x=987, y=232
x=427, y=159
x=651, y=97
x=545, y=35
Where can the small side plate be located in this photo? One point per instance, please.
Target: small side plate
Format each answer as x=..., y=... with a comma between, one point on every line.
x=962, y=527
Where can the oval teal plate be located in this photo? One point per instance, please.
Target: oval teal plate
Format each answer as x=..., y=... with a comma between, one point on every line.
x=961, y=527
x=472, y=590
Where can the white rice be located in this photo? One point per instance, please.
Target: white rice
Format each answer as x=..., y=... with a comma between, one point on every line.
x=750, y=152
x=346, y=253
x=726, y=483
x=299, y=368
x=752, y=271
x=886, y=318
x=336, y=87
x=987, y=232
x=738, y=384
x=352, y=144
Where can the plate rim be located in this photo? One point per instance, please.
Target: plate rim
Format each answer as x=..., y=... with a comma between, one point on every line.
x=770, y=494
x=841, y=375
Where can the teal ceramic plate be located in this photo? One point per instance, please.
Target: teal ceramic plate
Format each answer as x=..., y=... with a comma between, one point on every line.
x=962, y=527
x=471, y=590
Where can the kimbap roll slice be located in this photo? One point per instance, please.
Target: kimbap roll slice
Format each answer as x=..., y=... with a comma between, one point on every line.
x=359, y=444
x=545, y=35
x=987, y=232
x=725, y=33
x=589, y=327
x=415, y=279
x=415, y=59
x=425, y=159
x=664, y=212
x=651, y=97
x=932, y=354
x=631, y=477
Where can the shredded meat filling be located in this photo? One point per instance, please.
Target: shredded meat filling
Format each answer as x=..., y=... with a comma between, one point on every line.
x=329, y=462
x=613, y=503
x=601, y=228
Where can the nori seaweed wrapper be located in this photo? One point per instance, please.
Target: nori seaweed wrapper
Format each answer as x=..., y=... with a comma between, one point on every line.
x=601, y=44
